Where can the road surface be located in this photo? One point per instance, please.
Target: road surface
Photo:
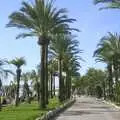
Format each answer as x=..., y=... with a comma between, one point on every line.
x=87, y=108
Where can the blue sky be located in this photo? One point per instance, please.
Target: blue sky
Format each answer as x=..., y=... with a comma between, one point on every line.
x=93, y=23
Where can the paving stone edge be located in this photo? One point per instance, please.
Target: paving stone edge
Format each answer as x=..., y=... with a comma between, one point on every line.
x=112, y=104
x=55, y=112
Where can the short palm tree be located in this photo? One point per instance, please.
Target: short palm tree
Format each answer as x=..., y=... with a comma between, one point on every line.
x=3, y=73
x=43, y=20
x=36, y=83
x=26, y=78
x=18, y=62
x=12, y=90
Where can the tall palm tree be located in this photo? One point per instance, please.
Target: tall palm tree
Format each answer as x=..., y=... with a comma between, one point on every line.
x=63, y=48
x=51, y=71
x=109, y=52
x=113, y=4
x=71, y=62
x=73, y=71
x=42, y=20
x=18, y=62
x=103, y=56
x=52, y=68
x=58, y=48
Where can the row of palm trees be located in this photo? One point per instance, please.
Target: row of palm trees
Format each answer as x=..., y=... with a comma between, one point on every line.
x=17, y=62
x=51, y=26
x=108, y=51
x=111, y=58
x=65, y=50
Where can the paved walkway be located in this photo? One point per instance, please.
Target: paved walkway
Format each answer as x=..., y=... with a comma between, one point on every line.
x=90, y=109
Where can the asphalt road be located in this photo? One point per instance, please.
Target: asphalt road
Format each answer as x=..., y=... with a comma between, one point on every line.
x=87, y=108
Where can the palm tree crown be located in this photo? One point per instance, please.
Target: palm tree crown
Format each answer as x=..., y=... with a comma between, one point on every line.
x=114, y=4
x=18, y=62
x=40, y=19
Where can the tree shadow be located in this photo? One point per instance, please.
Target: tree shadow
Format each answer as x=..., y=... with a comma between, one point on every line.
x=78, y=113
x=84, y=112
x=100, y=107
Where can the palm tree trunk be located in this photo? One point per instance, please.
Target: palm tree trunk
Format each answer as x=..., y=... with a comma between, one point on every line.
x=18, y=71
x=46, y=73
x=28, y=98
x=61, y=83
x=54, y=85
x=38, y=91
x=70, y=87
x=116, y=80
x=110, y=81
x=28, y=95
x=51, y=84
x=0, y=103
x=42, y=78
x=104, y=91
x=67, y=85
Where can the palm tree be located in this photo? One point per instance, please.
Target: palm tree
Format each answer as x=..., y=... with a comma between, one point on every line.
x=73, y=71
x=26, y=77
x=71, y=63
x=58, y=48
x=42, y=20
x=18, y=62
x=103, y=56
x=113, y=4
x=52, y=68
x=63, y=49
x=108, y=52
x=12, y=90
x=51, y=71
x=3, y=73
x=36, y=83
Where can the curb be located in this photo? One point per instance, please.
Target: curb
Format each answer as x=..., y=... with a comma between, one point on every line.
x=112, y=104
x=55, y=112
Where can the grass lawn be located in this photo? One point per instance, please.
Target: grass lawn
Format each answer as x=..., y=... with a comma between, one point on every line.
x=26, y=111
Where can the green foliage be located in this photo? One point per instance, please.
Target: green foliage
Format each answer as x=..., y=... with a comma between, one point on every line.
x=112, y=4
x=23, y=112
x=3, y=70
x=40, y=18
x=53, y=103
x=26, y=111
x=18, y=62
x=90, y=81
x=99, y=91
x=108, y=51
